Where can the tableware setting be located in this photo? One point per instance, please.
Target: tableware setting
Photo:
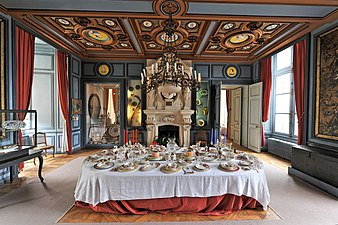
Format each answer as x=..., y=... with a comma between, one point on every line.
x=201, y=167
x=127, y=167
x=149, y=166
x=228, y=167
x=171, y=168
x=103, y=165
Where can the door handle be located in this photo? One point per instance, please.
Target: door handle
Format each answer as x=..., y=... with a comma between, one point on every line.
x=257, y=126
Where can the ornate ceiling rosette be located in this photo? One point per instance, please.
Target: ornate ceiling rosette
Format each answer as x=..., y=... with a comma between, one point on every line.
x=242, y=37
x=93, y=33
x=165, y=7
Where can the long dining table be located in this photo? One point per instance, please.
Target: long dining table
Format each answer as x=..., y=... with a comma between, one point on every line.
x=211, y=192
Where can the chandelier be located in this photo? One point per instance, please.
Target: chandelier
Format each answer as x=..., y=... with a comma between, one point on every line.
x=168, y=73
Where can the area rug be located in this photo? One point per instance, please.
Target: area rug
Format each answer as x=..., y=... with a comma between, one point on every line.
x=82, y=215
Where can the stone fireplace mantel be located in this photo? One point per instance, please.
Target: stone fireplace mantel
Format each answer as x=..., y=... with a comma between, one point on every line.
x=180, y=118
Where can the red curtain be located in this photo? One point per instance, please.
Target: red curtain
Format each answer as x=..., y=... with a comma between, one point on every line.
x=61, y=62
x=266, y=78
x=229, y=116
x=299, y=57
x=24, y=74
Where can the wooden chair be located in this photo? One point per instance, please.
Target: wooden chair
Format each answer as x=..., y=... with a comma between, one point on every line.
x=41, y=142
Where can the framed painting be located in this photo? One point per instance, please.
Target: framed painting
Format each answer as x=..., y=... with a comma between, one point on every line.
x=76, y=106
x=2, y=74
x=326, y=103
x=103, y=69
x=231, y=71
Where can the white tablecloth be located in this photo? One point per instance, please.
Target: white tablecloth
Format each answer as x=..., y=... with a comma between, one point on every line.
x=98, y=186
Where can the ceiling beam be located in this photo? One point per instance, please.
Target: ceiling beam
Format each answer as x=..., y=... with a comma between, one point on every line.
x=275, y=2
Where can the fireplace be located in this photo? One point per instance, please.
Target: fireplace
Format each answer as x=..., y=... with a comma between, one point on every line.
x=166, y=110
x=168, y=131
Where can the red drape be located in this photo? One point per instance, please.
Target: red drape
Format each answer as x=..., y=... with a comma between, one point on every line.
x=229, y=116
x=299, y=57
x=216, y=205
x=266, y=78
x=24, y=74
x=61, y=61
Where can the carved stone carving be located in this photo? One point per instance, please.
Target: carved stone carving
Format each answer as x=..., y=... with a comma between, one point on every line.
x=170, y=118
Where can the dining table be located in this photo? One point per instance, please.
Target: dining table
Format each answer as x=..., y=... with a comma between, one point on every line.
x=211, y=190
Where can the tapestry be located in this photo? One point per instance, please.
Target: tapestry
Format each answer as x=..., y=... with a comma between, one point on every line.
x=326, y=115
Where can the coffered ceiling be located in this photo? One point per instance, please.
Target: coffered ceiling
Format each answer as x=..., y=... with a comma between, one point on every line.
x=239, y=31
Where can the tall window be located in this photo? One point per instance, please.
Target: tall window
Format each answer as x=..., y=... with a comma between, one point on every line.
x=283, y=103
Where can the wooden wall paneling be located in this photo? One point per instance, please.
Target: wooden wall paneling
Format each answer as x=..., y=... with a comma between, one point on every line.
x=119, y=69
x=76, y=136
x=135, y=69
x=75, y=66
x=88, y=69
x=204, y=69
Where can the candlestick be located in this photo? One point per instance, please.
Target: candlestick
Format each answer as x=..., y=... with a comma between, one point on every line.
x=141, y=78
x=175, y=67
x=190, y=75
x=144, y=72
x=156, y=67
x=152, y=68
x=212, y=136
x=168, y=67
x=195, y=73
x=199, y=77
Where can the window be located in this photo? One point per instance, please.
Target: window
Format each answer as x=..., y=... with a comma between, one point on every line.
x=284, y=121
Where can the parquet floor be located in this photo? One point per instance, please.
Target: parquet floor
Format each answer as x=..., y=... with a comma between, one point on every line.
x=77, y=215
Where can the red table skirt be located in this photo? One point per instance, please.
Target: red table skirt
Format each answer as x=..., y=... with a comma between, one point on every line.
x=216, y=205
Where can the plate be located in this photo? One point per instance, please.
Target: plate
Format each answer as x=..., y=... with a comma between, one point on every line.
x=210, y=158
x=204, y=92
x=124, y=168
x=183, y=162
x=200, y=122
x=201, y=167
x=228, y=169
x=244, y=163
x=155, y=159
x=167, y=169
x=103, y=166
x=150, y=166
x=198, y=102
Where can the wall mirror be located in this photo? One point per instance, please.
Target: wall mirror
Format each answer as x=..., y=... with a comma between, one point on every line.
x=103, y=113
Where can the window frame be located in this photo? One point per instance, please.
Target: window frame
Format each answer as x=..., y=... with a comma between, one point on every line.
x=292, y=107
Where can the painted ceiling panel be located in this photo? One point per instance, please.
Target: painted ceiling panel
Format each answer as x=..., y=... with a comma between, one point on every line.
x=259, y=9
x=204, y=30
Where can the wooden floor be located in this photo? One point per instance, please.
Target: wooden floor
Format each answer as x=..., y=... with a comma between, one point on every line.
x=74, y=215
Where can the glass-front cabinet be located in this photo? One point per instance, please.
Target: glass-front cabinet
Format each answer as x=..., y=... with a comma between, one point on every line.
x=134, y=106
x=202, y=106
x=103, y=118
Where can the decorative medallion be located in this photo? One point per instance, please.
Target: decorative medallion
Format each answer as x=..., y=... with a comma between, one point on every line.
x=109, y=22
x=191, y=25
x=63, y=21
x=103, y=69
x=271, y=27
x=89, y=44
x=152, y=45
x=97, y=36
x=228, y=26
x=213, y=47
x=83, y=21
x=238, y=38
x=147, y=23
x=124, y=45
x=170, y=7
x=231, y=71
x=186, y=46
x=246, y=47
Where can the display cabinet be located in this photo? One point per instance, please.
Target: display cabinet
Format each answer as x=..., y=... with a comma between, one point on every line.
x=134, y=106
x=103, y=114
x=14, y=124
x=202, y=105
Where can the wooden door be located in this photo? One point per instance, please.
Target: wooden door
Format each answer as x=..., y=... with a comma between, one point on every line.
x=245, y=105
x=255, y=116
x=237, y=115
x=217, y=88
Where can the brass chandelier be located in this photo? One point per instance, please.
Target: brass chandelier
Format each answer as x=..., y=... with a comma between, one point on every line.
x=168, y=73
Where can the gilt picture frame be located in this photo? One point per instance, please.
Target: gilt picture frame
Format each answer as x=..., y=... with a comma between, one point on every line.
x=326, y=102
x=76, y=106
